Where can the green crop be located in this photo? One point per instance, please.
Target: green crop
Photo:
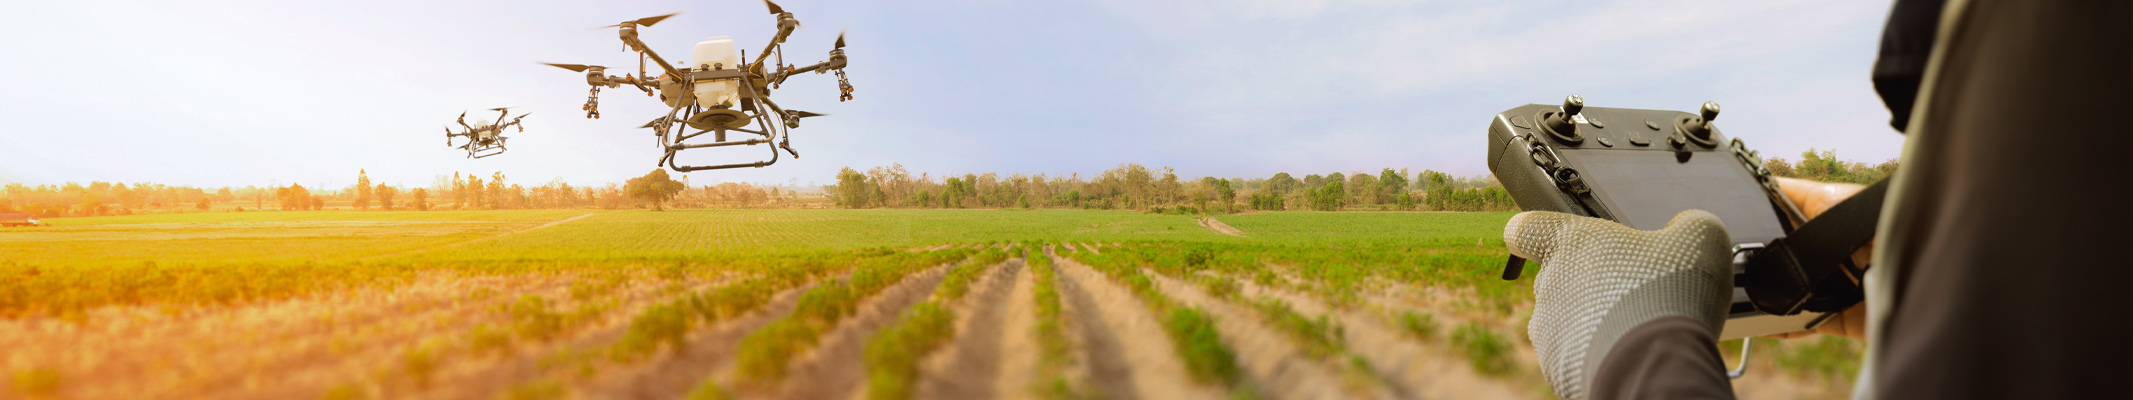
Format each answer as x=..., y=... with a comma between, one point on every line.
x=892, y=355
x=1486, y=349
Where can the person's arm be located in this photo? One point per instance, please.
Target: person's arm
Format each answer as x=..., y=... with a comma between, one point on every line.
x=1812, y=198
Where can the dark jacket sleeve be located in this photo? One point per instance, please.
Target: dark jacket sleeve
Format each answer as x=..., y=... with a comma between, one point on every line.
x=1906, y=44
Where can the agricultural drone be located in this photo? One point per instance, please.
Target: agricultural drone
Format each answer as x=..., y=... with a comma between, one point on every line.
x=717, y=92
x=485, y=138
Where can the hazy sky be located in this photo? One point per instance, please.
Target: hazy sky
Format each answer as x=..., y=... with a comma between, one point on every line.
x=248, y=93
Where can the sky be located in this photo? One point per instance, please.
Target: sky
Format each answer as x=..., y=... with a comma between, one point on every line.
x=236, y=93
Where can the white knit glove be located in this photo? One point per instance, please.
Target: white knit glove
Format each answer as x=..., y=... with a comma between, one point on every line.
x=1599, y=279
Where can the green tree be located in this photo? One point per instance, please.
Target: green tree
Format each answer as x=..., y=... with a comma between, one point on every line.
x=953, y=193
x=91, y=204
x=1330, y=197
x=854, y=189
x=1363, y=189
x=296, y=197
x=1281, y=183
x=385, y=196
x=654, y=187
x=422, y=197
x=1394, y=183
x=459, y=190
x=131, y=198
x=473, y=191
x=1227, y=195
x=922, y=199
x=205, y=203
x=496, y=190
x=362, y=200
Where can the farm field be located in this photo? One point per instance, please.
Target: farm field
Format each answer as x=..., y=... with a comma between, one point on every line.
x=797, y=304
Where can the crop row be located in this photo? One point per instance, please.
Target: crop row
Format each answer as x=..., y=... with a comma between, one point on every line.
x=766, y=353
x=1053, y=348
x=1337, y=279
x=893, y=354
x=1192, y=331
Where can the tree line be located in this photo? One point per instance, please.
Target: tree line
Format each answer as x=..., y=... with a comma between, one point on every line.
x=1126, y=187
x=459, y=191
x=1137, y=187
x=1824, y=166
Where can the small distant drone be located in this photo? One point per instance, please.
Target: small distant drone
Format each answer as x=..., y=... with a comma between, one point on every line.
x=485, y=138
x=717, y=92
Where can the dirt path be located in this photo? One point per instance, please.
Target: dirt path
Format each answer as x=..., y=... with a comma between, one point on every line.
x=1282, y=370
x=1128, y=355
x=481, y=239
x=1218, y=226
x=835, y=370
x=970, y=367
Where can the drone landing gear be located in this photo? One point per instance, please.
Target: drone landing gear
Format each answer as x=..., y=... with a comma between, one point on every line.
x=717, y=122
x=485, y=151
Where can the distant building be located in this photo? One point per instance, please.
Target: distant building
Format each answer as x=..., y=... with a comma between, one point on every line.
x=19, y=220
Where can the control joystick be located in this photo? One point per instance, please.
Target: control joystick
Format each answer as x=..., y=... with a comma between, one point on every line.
x=1698, y=129
x=1559, y=123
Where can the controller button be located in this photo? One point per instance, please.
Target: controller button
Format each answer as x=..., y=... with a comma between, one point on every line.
x=1638, y=139
x=1650, y=124
x=1605, y=142
x=1520, y=122
x=1595, y=122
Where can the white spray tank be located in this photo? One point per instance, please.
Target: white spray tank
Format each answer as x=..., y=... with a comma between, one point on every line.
x=717, y=52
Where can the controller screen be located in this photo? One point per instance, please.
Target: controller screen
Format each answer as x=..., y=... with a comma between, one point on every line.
x=1645, y=189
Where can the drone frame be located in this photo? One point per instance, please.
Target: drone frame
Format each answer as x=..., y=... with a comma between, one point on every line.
x=474, y=147
x=770, y=122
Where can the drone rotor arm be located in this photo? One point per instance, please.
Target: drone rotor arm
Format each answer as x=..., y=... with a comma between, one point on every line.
x=639, y=45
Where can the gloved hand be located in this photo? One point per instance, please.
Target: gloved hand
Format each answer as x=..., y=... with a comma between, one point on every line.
x=1599, y=279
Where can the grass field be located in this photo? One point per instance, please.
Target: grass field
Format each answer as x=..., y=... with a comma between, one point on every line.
x=781, y=304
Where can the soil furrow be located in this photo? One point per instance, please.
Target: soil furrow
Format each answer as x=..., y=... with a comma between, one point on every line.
x=834, y=370
x=1412, y=367
x=673, y=373
x=1127, y=354
x=1018, y=346
x=969, y=367
x=1282, y=370
x=474, y=377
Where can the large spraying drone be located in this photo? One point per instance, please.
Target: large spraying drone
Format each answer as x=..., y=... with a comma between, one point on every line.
x=716, y=93
x=485, y=138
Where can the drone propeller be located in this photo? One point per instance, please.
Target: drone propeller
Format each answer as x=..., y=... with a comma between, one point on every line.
x=774, y=9
x=644, y=22
x=500, y=109
x=576, y=67
x=804, y=114
x=840, y=40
